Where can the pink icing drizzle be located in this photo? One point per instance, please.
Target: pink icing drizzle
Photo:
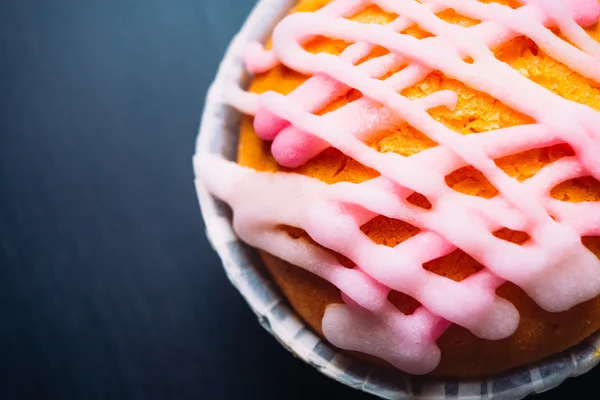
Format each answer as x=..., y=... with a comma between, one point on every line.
x=332, y=214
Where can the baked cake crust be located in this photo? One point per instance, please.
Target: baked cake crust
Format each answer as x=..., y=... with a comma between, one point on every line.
x=540, y=333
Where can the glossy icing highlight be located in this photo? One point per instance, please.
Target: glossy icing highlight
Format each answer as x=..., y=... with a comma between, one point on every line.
x=332, y=214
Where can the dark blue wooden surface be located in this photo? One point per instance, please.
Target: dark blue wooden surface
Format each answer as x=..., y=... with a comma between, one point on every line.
x=108, y=288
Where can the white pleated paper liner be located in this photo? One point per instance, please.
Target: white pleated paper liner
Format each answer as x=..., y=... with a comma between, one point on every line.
x=219, y=135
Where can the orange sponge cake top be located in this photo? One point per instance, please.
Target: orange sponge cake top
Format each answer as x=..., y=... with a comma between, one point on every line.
x=413, y=147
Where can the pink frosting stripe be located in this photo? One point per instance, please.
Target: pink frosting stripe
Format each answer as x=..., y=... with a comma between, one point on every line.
x=332, y=214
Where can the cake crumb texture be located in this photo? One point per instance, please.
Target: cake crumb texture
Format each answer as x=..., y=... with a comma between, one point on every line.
x=540, y=333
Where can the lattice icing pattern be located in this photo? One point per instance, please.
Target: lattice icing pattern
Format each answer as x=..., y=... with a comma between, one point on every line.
x=553, y=267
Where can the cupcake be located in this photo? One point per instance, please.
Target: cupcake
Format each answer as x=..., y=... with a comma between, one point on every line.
x=421, y=178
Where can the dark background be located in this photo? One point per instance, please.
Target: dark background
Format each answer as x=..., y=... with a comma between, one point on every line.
x=108, y=288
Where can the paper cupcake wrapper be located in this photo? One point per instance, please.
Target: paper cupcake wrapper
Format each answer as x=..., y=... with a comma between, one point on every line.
x=219, y=135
